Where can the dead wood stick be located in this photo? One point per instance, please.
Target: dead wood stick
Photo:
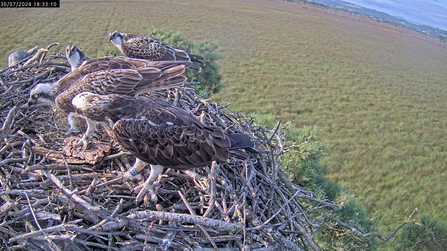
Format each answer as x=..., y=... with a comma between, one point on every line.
x=7, y=206
x=51, y=244
x=113, y=225
x=212, y=176
x=21, y=192
x=115, y=211
x=24, y=211
x=32, y=79
x=154, y=239
x=93, y=232
x=116, y=155
x=12, y=160
x=6, y=92
x=61, y=227
x=193, y=213
x=7, y=123
x=9, y=145
x=79, y=211
x=273, y=216
x=93, y=244
x=307, y=238
x=185, y=218
x=147, y=235
x=91, y=187
x=244, y=178
x=1, y=79
x=57, y=167
x=68, y=237
x=77, y=199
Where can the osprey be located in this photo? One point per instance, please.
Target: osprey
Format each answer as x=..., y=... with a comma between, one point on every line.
x=83, y=68
x=158, y=133
x=75, y=56
x=146, y=47
x=108, y=76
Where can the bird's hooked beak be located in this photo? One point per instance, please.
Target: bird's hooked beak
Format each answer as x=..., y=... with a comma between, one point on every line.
x=70, y=51
x=116, y=37
x=112, y=35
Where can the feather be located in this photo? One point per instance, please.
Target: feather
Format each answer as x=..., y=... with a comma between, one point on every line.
x=146, y=47
x=183, y=143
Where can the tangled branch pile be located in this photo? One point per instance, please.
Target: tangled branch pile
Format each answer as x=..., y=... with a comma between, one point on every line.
x=53, y=198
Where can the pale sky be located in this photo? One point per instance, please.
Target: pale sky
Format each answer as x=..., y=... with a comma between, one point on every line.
x=429, y=12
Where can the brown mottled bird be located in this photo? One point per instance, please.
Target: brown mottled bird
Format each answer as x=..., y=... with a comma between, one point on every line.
x=146, y=47
x=159, y=134
x=110, y=75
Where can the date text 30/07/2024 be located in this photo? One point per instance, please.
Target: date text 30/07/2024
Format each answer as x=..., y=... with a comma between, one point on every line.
x=30, y=4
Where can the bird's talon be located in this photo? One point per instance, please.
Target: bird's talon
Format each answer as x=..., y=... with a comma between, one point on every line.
x=83, y=143
x=145, y=189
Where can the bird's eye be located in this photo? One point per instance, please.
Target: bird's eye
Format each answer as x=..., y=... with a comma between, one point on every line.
x=36, y=96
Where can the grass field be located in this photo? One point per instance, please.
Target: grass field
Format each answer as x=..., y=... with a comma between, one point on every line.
x=376, y=91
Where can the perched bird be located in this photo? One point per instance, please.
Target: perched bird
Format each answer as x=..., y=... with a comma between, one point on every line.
x=75, y=56
x=146, y=47
x=108, y=76
x=159, y=134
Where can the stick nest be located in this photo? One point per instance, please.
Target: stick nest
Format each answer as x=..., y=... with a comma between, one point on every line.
x=54, y=198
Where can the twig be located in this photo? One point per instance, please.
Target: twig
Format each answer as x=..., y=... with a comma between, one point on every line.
x=212, y=176
x=69, y=193
x=7, y=123
x=61, y=227
x=50, y=242
x=184, y=218
x=201, y=228
x=117, y=209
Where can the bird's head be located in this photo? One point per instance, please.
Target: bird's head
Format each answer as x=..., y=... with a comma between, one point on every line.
x=43, y=94
x=74, y=56
x=117, y=38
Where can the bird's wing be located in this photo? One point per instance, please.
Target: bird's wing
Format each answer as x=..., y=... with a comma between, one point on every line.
x=147, y=48
x=118, y=81
x=164, y=135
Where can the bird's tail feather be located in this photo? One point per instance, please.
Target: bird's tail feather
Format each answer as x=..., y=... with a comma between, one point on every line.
x=194, y=67
x=240, y=141
x=196, y=58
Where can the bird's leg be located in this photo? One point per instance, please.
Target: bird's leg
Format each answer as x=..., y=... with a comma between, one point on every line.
x=91, y=127
x=108, y=127
x=137, y=167
x=148, y=185
x=72, y=120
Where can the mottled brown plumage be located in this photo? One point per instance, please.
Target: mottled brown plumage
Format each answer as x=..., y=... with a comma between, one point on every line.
x=123, y=81
x=158, y=133
x=155, y=131
x=109, y=63
x=118, y=75
x=146, y=47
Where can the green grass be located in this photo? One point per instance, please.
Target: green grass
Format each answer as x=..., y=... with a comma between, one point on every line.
x=377, y=94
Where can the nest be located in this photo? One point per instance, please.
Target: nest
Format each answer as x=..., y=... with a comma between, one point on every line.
x=54, y=198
